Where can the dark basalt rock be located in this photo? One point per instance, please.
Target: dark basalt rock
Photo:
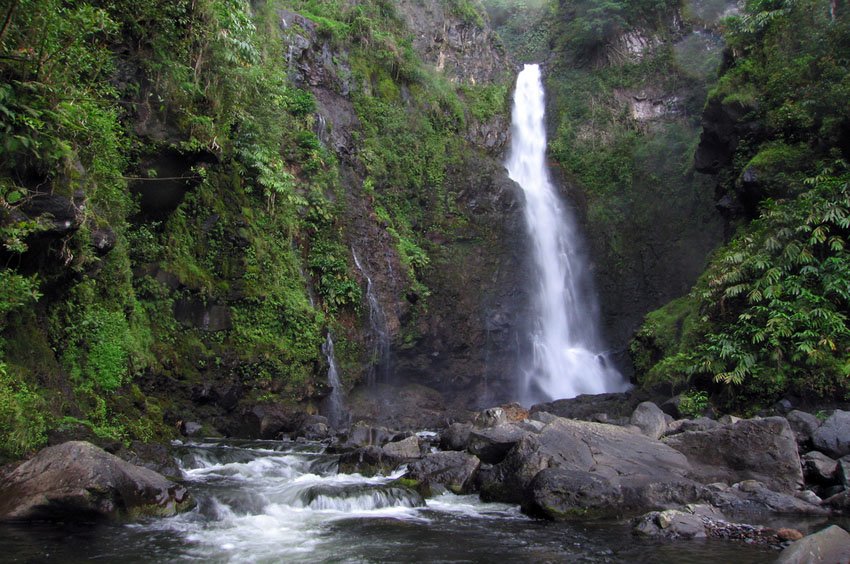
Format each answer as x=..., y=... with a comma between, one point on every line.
x=269, y=421
x=833, y=437
x=588, y=407
x=818, y=468
x=827, y=546
x=454, y=471
x=369, y=461
x=79, y=481
x=804, y=426
x=206, y=317
x=493, y=444
x=760, y=449
x=455, y=436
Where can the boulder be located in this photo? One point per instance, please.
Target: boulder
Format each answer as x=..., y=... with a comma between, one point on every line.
x=405, y=448
x=842, y=471
x=833, y=437
x=829, y=546
x=560, y=494
x=492, y=417
x=838, y=500
x=153, y=456
x=452, y=470
x=314, y=428
x=649, y=418
x=757, y=449
x=455, y=436
x=670, y=524
x=804, y=426
x=269, y=421
x=587, y=407
x=492, y=445
x=573, y=469
x=818, y=468
x=79, y=481
x=369, y=461
x=751, y=496
x=362, y=434
x=508, y=481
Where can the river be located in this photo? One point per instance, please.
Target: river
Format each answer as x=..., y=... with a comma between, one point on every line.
x=268, y=501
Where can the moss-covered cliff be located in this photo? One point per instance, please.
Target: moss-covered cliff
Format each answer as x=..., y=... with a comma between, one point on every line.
x=184, y=186
x=769, y=317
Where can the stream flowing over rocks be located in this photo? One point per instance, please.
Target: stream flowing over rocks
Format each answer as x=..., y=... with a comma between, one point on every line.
x=623, y=493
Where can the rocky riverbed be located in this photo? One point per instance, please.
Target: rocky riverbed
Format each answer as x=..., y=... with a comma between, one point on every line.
x=675, y=479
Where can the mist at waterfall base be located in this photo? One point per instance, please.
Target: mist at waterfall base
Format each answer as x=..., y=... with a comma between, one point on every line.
x=265, y=502
x=568, y=357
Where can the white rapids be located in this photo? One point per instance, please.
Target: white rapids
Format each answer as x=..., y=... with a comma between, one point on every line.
x=281, y=502
x=568, y=357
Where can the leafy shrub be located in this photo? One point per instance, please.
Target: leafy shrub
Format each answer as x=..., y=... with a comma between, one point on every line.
x=23, y=416
x=693, y=403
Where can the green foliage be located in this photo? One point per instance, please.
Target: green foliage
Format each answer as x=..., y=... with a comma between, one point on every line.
x=329, y=265
x=693, y=403
x=23, y=416
x=16, y=291
x=773, y=304
x=592, y=25
x=524, y=26
x=470, y=11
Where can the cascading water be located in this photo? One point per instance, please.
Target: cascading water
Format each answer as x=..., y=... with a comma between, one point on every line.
x=333, y=403
x=566, y=358
x=379, y=370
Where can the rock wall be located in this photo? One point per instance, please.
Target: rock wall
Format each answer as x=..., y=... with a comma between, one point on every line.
x=466, y=343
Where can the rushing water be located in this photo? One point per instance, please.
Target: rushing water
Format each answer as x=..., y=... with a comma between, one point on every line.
x=333, y=404
x=266, y=501
x=567, y=350
x=379, y=370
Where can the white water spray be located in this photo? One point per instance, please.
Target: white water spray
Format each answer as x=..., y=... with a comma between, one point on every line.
x=335, y=410
x=567, y=359
x=379, y=370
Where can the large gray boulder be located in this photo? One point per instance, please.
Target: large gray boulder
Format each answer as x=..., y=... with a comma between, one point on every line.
x=818, y=468
x=79, y=481
x=829, y=546
x=508, y=481
x=833, y=437
x=452, y=470
x=649, y=418
x=405, y=448
x=455, y=436
x=588, y=407
x=753, y=449
x=751, y=496
x=804, y=426
x=491, y=445
x=575, y=469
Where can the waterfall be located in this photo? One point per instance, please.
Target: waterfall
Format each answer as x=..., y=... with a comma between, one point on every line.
x=379, y=369
x=567, y=358
x=333, y=403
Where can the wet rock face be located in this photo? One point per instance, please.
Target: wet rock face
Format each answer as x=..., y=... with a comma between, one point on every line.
x=79, y=481
x=466, y=343
x=470, y=344
x=462, y=50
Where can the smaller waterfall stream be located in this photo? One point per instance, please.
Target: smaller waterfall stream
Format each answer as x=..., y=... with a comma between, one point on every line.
x=379, y=370
x=567, y=350
x=335, y=409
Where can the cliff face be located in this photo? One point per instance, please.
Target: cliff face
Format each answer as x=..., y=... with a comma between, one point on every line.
x=276, y=173
x=464, y=341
